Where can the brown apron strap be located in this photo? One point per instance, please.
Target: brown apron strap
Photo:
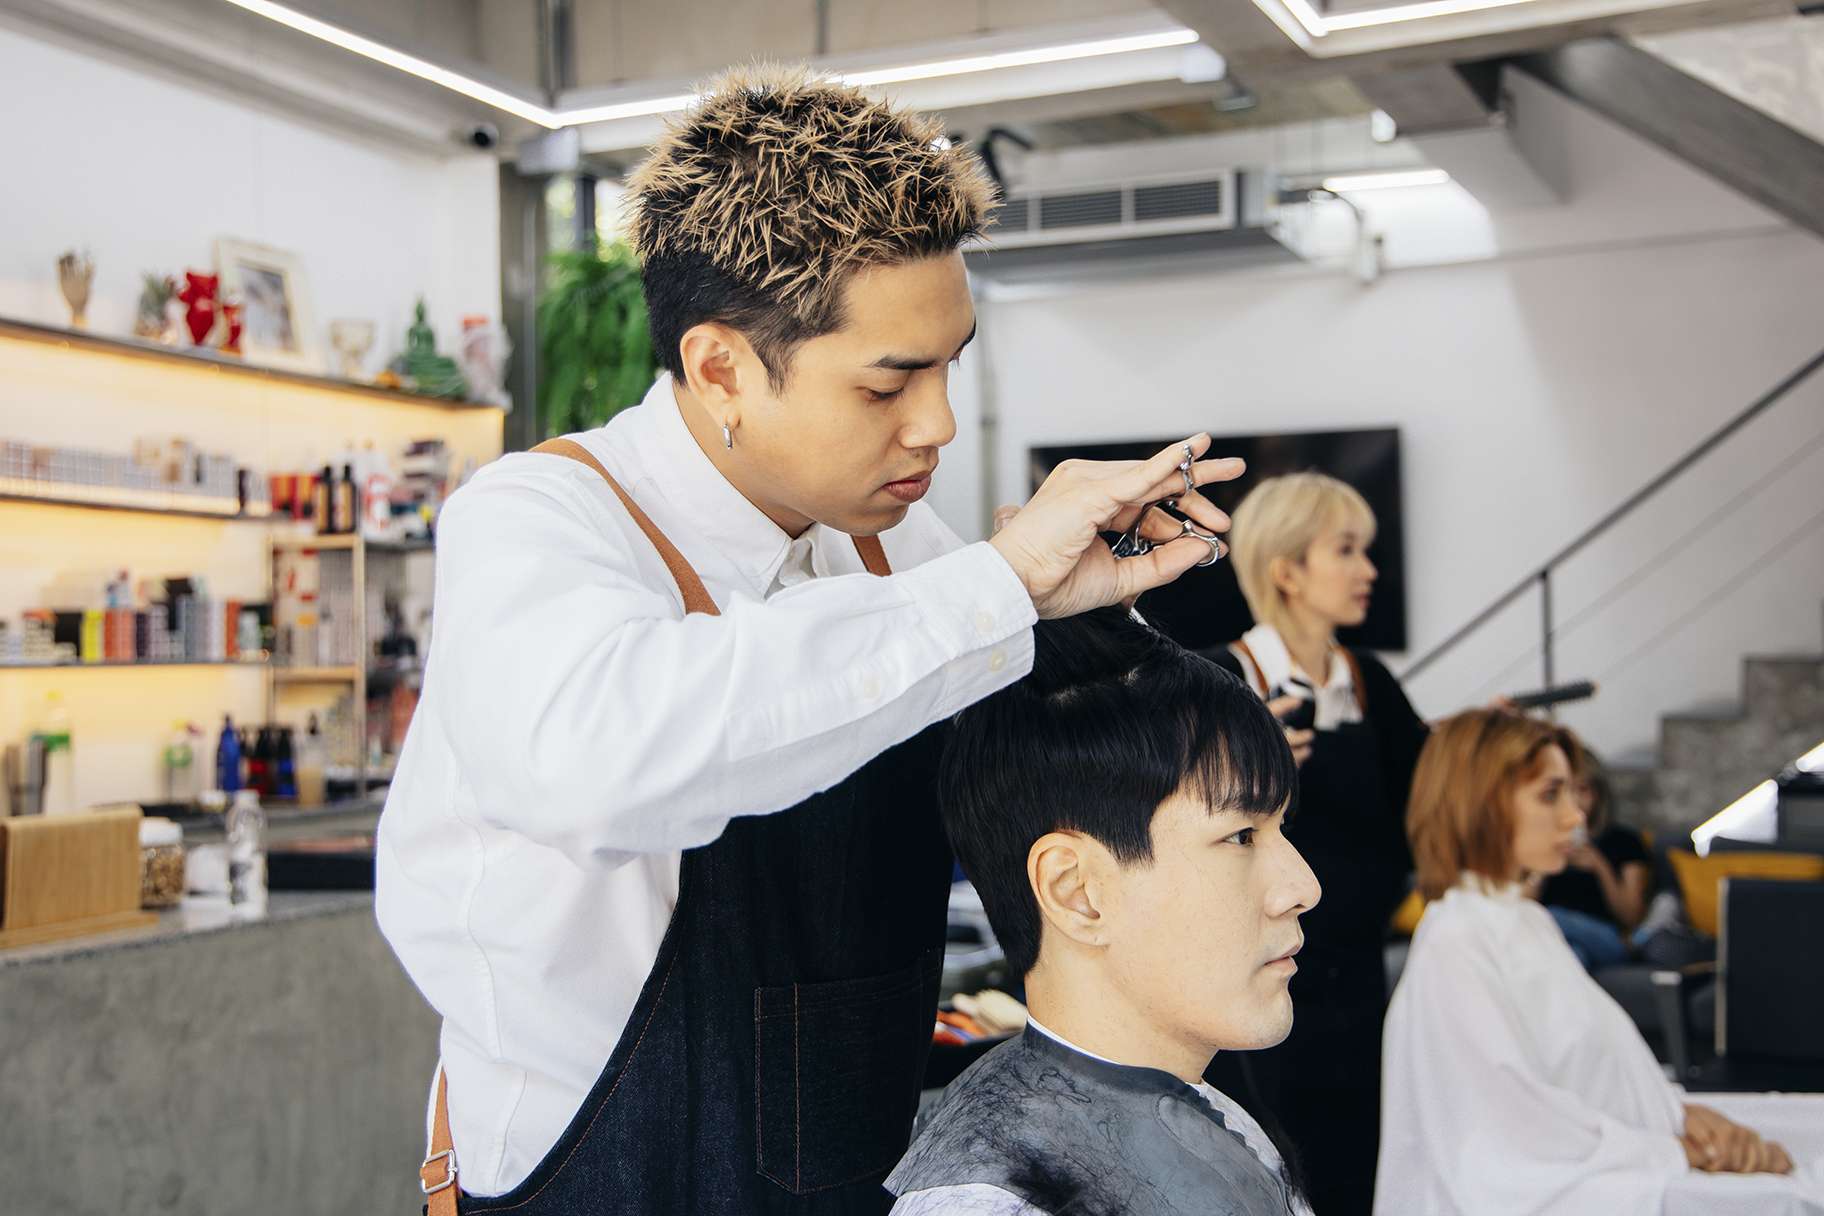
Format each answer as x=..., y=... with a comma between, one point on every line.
x=437, y=1176
x=1355, y=672
x=696, y=596
x=872, y=555
x=1253, y=673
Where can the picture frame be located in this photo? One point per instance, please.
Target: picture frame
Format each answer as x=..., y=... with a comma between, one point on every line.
x=279, y=324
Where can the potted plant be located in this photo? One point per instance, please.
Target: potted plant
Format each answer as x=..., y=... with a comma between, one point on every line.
x=596, y=352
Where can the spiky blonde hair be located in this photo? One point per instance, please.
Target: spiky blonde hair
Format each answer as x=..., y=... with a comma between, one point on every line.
x=786, y=183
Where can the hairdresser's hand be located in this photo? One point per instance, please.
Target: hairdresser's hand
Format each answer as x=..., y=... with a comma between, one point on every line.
x=1298, y=740
x=1053, y=545
x=1586, y=857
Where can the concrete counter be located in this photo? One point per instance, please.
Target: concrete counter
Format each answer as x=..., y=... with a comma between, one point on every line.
x=215, y=1064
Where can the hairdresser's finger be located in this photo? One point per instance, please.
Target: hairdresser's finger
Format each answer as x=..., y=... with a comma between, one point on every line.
x=1139, y=482
x=1202, y=512
x=1134, y=575
x=1203, y=473
x=1003, y=515
x=1279, y=707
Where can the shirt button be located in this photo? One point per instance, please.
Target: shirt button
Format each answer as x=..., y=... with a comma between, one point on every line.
x=870, y=688
x=997, y=660
x=984, y=623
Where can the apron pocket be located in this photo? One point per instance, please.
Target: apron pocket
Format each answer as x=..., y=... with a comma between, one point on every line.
x=837, y=1069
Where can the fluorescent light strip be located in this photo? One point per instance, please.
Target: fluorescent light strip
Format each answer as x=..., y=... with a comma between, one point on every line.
x=1355, y=182
x=1318, y=25
x=963, y=66
x=624, y=109
x=410, y=64
x=670, y=104
x=1739, y=816
x=970, y=64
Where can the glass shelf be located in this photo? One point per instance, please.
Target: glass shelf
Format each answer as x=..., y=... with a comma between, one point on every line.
x=78, y=339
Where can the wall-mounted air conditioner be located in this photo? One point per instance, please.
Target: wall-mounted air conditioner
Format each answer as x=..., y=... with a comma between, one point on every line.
x=1194, y=220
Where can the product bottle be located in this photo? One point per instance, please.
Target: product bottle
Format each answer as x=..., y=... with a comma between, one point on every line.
x=321, y=494
x=258, y=749
x=284, y=765
x=59, y=791
x=247, y=853
x=313, y=756
x=347, y=508
x=228, y=758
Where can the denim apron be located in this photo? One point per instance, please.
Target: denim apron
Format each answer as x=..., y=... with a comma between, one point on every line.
x=774, y=1059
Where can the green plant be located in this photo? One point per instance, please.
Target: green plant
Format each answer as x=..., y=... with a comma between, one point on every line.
x=595, y=351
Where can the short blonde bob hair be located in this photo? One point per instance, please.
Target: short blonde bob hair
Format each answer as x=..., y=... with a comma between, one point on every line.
x=1283, y=517
x=1460, y=818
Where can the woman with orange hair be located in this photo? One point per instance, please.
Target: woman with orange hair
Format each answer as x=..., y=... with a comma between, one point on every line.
x=1513, y=1083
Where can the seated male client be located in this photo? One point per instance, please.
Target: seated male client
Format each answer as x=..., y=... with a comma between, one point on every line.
x=1120, y=811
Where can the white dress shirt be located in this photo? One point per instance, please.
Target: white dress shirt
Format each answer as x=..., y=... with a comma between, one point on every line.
x=1512, y=1083
x=1273, y=668
x=985, y=1199
x=577, y=732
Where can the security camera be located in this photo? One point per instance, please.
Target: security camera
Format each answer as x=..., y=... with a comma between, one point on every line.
x=482, y=136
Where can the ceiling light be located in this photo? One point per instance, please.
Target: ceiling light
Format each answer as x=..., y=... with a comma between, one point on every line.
x=1355, y=182
x=1750, y=817
x=412, y=65
x=1062, y=53
x=625, y=109
x=1812, y=761
x=672, y=103
x=1318, y=25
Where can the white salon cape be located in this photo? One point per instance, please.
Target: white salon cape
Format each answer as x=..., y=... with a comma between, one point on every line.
x=576, y=732
x=1513, y=1084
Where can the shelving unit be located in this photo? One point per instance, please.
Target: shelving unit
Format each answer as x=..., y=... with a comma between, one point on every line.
x=69, y=389
x=316, y=675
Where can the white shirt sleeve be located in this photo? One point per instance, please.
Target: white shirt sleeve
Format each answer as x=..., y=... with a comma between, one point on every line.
x=969, y=1199
x=588, y=713
x=1467, y=1117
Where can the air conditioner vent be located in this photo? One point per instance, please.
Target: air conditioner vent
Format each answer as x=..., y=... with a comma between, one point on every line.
x=1178, y=200
x=1013, y=215
x=1079, y=210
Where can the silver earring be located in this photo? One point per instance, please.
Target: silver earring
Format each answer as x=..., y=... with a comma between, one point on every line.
x=728, y=437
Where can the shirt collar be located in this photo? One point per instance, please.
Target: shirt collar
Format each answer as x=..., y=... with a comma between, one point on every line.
x=721, y=514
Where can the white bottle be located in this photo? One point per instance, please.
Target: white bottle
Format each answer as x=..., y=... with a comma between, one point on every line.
x=247, y=853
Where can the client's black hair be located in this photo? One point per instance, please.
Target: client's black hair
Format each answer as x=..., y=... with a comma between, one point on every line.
x=1114, y=719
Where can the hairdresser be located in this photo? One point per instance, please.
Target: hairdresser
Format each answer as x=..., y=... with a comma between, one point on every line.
x=663, y=848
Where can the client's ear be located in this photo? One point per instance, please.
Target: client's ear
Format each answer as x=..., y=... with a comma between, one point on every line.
x=1064, y=870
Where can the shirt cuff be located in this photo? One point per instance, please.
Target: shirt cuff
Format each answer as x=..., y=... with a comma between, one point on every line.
x=970, y=599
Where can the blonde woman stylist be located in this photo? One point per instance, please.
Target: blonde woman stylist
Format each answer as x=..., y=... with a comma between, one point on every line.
x=1301, y=556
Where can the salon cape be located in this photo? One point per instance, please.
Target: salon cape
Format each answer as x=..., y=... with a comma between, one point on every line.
x=1512, y=1083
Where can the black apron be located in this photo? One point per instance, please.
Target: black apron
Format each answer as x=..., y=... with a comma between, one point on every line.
x=774, y=1059
x=1321, y=1087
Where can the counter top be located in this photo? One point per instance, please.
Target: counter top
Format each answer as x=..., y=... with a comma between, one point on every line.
x=195, y=916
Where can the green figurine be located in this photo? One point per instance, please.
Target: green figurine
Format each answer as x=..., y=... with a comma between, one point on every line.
x=423, y=368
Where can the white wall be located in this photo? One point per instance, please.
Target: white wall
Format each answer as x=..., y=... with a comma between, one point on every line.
x=146, y=172
x=1541, y=366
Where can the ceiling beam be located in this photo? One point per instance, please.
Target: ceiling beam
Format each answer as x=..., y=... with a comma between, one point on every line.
x=1761, y=157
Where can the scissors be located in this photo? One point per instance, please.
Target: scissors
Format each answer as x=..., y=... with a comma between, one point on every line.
x=1132, y=544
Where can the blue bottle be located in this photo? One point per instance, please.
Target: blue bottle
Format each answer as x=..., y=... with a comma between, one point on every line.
x=228, y=758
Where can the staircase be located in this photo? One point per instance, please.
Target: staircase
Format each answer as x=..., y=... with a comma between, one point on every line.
x=1707, y=758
